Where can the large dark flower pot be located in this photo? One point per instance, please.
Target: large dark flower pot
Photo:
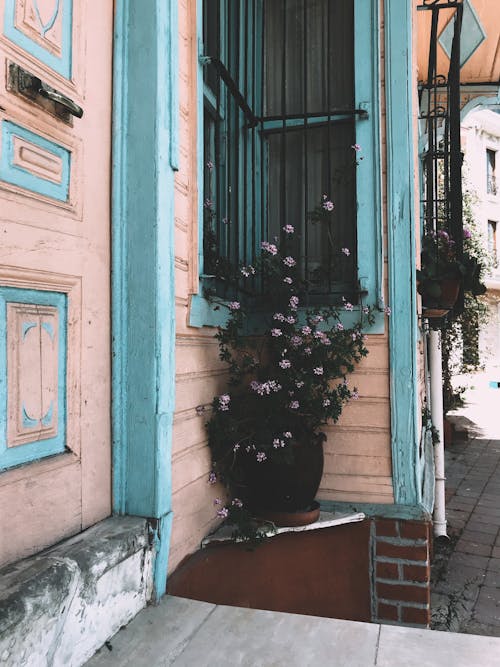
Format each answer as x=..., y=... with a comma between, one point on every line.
x=274, y=490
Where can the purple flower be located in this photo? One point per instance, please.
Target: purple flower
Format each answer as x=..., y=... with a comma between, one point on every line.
x=224, y=402
x=326, y=402
x=467, y=233
x=356, y=147
x=217, y=501
x=279, y=316
x=328, y=205
x=288, y=229
x=247, y=271
x=269, y=247
x=289, y=261
x=387, y=310
x=348, y=306
x=316, y=319
x=442, y=234
x=234, y=305
x=290, y=320
x=355, y=395
x=346, y=251
x=212, y=478
x=236, y=447
x=236, y=502
x=318, y=370
x=307, y=351
x=261, y=457
x=294, y=302
x=285, y=363
x=276, y=333
x=340, y=326
x=295, y=341
x=366, y=310
x=223, y=513
x=277, y=443
x=294, y=405
x=287, y=280
x=287, y=434
x=299, y=384
x=306, y=330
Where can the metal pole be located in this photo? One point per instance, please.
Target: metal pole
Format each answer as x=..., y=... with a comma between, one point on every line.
x=436, y=373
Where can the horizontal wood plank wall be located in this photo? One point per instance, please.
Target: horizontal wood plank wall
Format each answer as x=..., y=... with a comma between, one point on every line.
x=358, y=451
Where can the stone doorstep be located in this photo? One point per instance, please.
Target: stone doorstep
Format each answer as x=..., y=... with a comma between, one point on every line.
x=59, y=606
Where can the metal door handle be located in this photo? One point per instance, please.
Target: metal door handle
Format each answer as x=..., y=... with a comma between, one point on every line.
x=61, y=99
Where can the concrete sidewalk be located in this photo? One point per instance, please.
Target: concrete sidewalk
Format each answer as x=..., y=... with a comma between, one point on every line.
x=187, y=633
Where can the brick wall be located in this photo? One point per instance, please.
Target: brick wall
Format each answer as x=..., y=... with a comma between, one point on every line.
x=401, y=571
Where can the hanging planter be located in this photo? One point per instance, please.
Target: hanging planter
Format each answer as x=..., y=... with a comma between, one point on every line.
x=439, y=296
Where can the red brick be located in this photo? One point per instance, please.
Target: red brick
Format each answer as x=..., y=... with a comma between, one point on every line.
x=387, y=570
x=404, y=552
x=387, y=612
x=419, y=573
x=414, y=530
x=387, y=528
x=403, y=592
x=414, y=615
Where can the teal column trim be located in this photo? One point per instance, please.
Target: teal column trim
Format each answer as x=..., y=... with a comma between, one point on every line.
x=399, y=81
x=143, y=311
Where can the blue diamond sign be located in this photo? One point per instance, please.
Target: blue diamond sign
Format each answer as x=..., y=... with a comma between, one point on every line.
x=472, y=35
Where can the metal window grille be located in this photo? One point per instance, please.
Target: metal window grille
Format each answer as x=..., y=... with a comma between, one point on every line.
x=442, y=159
x=279, y=128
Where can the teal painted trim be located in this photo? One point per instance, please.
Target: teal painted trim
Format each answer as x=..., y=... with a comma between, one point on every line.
x=32, y=451
x=403, y=324
x=386, y=511
x=199, y=141
x=368, y=174
x=173, y=58
x=62, y=64
x=143, y=262
x=161, y=540
x=119, y=241
x=16, y=175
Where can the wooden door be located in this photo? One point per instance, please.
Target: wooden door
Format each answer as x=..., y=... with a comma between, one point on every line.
x=55, y=451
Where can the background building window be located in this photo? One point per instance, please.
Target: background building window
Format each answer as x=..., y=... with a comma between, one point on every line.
x=492, y=239
x=491, y=183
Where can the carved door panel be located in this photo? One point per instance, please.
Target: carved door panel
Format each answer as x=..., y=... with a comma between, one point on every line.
x=55, y=445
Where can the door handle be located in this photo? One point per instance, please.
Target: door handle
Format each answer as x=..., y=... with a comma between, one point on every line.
x=63, y=100
x=32, y=87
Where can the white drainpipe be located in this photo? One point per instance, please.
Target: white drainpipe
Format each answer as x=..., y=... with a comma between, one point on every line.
x=436, y=373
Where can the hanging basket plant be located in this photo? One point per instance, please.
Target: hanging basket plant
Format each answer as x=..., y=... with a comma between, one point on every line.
x=442, y=274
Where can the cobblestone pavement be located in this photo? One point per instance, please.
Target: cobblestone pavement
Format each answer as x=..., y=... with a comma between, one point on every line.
x=466, y=570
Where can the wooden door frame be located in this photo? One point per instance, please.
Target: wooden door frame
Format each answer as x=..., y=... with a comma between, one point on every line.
x=145, y=110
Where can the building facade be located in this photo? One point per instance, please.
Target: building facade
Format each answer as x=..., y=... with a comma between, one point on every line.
x=109, y=120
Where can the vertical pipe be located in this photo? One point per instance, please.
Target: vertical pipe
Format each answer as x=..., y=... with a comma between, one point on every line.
x=436, y=373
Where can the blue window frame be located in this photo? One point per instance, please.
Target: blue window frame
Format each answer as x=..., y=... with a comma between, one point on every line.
x=278, y=129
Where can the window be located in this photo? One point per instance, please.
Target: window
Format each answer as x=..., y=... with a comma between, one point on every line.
x=492, y=239
x=290, y=87
x=491, y=183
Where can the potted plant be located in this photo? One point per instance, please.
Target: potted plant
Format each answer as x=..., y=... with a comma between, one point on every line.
x=285, y=384
x=443, y=273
